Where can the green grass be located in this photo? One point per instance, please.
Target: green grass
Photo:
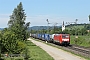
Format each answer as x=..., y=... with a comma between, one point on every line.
x=75, y=27
x=81, y=40
x=36, y=53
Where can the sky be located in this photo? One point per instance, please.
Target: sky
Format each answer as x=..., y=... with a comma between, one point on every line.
x=38, y=11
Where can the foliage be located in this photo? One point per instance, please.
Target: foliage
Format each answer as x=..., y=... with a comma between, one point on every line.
x=74, y=29
x=10, y=42
x=88, y=27
x=17, y=22
x=13, y=37
x=0, y=43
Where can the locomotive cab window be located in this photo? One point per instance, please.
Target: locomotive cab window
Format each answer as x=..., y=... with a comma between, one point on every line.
x=65, y=36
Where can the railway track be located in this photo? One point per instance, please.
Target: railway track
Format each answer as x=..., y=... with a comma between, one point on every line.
x=80, y=50
x=75, y=49
x=85, y=52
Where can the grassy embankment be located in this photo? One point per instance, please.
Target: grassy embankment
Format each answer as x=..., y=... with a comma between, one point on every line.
x=36, y=53
x=81, y=40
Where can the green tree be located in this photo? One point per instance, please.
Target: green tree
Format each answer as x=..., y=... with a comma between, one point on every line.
x=14, y=36
x=84, y=31
x=10, y=43
x=0, y=43
x=17, y=22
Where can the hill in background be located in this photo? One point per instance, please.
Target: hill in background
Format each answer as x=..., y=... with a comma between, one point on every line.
x=42, y=27
x=72, y=26
x=1, y=28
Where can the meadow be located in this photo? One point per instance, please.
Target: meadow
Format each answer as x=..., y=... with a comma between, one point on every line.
x=80, y=40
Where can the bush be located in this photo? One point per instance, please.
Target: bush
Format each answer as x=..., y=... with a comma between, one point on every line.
x=20, y=47
x=11, y=43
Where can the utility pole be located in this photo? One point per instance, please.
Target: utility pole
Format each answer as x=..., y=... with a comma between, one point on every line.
x=76, y=25
x=72, y=23
x=89, y=25
x=47, y=26
x=75, y=29
x=55, y=26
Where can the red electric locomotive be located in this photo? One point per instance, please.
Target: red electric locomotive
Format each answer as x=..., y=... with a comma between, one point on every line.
x=63, y=39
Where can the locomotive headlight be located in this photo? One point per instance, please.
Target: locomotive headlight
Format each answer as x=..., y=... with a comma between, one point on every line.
x=65, y=39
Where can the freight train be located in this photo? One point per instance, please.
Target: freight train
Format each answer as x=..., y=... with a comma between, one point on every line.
x=62, y=39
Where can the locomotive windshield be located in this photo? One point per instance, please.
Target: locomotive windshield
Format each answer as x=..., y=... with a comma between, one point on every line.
x=65, y=36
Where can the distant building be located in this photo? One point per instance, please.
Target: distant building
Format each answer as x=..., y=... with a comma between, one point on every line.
x=63, y=26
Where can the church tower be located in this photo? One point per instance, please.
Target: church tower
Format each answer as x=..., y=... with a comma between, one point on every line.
x=63, y=26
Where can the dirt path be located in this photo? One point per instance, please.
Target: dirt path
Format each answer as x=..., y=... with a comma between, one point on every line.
x=56, y=53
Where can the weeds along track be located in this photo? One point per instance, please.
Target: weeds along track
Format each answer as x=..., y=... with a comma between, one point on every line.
x=79, y=50
x=82, y=51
